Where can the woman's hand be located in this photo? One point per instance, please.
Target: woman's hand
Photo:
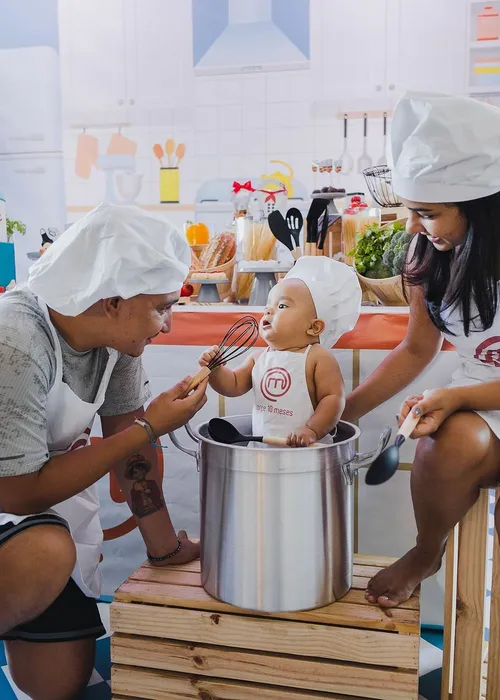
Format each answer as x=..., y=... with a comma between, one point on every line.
x=208, y=356
x=435, y=407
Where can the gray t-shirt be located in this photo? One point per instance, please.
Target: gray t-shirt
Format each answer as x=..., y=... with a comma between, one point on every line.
x=27, y=374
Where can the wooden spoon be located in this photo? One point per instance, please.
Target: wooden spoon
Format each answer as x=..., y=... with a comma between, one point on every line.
x=180, y=152
x=158, y=151
x=169, y=149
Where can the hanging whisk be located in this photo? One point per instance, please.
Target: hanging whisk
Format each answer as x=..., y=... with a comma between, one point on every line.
x=240, y=337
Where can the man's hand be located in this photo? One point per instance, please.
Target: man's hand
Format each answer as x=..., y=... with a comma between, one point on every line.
x=174, y=408
x=302, y=437
x=435, y=407
x=189, y=552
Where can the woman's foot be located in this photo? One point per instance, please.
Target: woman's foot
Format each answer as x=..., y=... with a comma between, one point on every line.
x=394, y=585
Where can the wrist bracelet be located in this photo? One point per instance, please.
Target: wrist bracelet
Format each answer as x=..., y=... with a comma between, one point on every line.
x=167, y=556
x=148, y=428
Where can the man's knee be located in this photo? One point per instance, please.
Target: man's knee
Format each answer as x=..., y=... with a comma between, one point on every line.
x=36, y=668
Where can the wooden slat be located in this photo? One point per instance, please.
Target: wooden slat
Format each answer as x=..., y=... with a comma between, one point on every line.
x=359, y=559
x=253, y=667
x=161, y=684
x=341, y=613
x=450, y=613
x=320, y=641
x=471, y=594
x=188, y=578
x=493, y=684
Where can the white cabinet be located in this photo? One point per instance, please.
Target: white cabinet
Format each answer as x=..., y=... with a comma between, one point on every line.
x=353, y=51
x=94, y=47
x=159, y=48
x=429, y=39
x=124, y=57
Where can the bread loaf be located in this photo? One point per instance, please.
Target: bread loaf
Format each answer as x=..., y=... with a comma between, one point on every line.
x=220, y=250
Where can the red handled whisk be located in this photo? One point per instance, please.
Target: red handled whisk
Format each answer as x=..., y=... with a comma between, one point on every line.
x=240, y=337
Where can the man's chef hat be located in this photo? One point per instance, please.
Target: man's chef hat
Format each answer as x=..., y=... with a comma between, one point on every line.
x=113, y=251
x=335, y=292
x=444, y=149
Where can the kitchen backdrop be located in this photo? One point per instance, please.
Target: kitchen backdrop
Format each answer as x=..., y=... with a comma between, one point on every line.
x=250, y=90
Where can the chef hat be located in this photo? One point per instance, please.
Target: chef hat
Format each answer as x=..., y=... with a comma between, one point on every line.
x=113, y=251
x=335, y=292
x=444, y=149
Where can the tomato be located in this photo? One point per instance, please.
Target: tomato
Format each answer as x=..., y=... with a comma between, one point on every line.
x=2, y=289
x=187, y=290
x=197, y=234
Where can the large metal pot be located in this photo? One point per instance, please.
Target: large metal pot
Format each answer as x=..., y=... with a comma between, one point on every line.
x=276, y=523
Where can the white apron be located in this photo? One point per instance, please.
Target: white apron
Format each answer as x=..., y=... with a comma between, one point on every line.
x=69, y=423
x=281, y=397
x=480, y=358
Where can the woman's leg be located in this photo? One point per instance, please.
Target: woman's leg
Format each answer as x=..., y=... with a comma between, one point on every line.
x=449, y=469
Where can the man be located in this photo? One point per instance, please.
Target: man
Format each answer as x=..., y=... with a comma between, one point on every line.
x=71, y=342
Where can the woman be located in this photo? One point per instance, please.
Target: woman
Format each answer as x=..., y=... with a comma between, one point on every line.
x=445, y=164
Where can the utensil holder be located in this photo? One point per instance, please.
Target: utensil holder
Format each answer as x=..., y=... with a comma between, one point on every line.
x=169, y=185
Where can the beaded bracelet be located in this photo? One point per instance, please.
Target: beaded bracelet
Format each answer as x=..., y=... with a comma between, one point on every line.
x=153, y=438
x=167, y=556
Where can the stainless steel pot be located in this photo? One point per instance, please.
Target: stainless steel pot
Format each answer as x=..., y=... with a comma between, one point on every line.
x=276, y=523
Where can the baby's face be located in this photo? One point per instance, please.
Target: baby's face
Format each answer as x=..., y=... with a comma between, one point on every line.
x=289, y=315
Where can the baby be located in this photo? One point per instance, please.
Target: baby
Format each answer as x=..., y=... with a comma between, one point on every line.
x=297, y=384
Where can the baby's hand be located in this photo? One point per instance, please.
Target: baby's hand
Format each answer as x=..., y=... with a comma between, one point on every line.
x=208, y=356
x=302, y=437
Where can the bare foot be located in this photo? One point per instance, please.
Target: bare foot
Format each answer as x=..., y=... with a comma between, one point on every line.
x=394, y=585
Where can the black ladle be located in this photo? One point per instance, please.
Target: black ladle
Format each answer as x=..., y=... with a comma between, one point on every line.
x=223, y=431
x=387, y=462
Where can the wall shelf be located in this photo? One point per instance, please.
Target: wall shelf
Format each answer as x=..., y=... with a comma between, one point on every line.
x=485, y=44
x=484, y=90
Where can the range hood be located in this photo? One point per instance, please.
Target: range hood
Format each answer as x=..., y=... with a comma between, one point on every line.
x=250, y=36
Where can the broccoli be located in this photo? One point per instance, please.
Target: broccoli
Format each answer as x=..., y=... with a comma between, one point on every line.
x=379, y=271
x=395, y=253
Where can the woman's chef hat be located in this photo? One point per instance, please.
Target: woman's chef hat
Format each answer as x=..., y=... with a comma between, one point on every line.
x=335, y=292
x=113, y=251
x=444, y=149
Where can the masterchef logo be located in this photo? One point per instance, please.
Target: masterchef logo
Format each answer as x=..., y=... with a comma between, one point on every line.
x=275, y=383
x=488, y=352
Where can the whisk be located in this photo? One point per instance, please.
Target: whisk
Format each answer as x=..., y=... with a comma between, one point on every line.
x=240, y=337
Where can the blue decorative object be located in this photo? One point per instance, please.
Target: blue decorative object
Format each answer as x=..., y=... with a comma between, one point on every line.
x=7, y=264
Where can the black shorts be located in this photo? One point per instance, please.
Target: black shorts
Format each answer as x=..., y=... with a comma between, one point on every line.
x=71, y=616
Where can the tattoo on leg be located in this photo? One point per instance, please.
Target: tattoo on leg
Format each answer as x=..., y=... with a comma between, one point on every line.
x=145, y=494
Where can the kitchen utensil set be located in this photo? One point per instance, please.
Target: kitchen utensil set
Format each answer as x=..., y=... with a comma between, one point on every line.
x=287, y=231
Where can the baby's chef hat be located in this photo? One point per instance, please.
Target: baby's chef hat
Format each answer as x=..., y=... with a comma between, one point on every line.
x=444, y=149
x=335, y=291
x=113, y=251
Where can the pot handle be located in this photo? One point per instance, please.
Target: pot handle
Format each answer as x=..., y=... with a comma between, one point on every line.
x=186, y=450
x=365, y=459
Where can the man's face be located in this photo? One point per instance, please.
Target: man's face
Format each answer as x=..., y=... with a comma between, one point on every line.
x=135, y=322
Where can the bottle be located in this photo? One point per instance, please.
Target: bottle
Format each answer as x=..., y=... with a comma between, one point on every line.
x=488, y=24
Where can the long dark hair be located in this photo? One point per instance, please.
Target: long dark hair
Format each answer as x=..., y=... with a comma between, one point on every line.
x=455, y=278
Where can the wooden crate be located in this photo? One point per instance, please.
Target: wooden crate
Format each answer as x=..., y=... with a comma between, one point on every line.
x=172, y=640
x=467, y=675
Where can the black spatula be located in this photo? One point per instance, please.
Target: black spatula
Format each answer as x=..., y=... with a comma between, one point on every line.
x=223, y=431
x=318, y=206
